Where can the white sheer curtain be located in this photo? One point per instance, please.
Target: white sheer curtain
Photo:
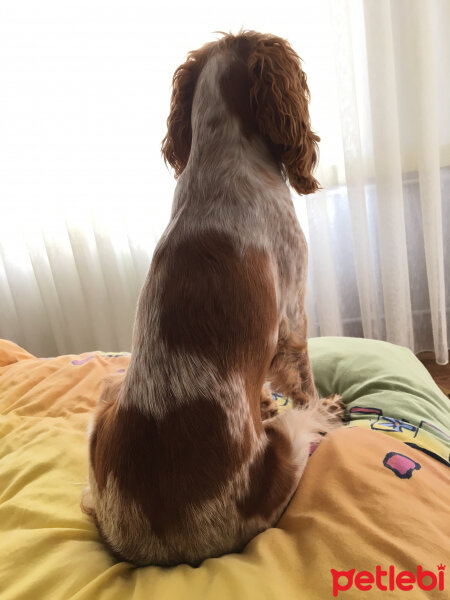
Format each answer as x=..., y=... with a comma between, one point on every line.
x=84, y=195
x=392, y=77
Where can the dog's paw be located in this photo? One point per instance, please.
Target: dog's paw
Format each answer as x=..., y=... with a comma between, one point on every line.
x=334, y=405
x=268, y=406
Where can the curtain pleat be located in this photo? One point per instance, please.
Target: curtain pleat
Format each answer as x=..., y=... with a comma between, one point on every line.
x=354, y=166
x=93, y=282
x=326, y=297
x=388, y=173
x=54, y=308
x=423, y=25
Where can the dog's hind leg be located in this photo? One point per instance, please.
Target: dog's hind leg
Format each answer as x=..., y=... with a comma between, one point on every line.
x=290, y=371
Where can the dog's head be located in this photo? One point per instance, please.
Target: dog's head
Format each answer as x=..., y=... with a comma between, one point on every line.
x=266, y=87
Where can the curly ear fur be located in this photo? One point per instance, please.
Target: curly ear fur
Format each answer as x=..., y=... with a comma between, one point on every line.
x=176, y=145
x=280, y=95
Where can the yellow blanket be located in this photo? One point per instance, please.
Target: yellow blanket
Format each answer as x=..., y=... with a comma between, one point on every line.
x=359, y=505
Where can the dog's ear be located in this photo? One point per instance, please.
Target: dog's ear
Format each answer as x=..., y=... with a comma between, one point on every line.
x=176, y=145
x=279, y=95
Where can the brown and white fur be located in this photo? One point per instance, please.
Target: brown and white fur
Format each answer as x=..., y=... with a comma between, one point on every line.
x=182, y=466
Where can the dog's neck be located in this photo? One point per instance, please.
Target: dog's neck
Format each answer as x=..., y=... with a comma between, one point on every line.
x=224, y=132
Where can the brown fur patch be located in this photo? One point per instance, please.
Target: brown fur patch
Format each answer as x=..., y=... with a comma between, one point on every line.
x=219, y=305
x=167, y=465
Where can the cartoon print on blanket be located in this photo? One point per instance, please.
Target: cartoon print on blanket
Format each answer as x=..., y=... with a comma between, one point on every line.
x=424, y=436
x=401, y=465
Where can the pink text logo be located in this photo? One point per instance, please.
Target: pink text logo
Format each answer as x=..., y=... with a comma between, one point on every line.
x=388, y=580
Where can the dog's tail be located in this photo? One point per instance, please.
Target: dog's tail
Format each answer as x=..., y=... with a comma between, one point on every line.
x=306, y=426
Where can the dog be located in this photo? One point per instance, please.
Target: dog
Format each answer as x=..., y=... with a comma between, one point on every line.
x=187, y=458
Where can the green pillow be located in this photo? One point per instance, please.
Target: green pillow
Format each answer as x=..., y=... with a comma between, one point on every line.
x=385, y=388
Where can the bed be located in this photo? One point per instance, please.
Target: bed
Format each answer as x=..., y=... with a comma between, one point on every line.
x=374, y=494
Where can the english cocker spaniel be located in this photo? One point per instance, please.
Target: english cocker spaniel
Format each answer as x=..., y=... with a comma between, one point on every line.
x=184, y=464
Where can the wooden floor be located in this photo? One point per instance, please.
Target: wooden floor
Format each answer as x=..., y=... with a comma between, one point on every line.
x=440, y=373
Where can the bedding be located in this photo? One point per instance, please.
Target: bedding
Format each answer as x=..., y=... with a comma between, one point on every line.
x=373, y=498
